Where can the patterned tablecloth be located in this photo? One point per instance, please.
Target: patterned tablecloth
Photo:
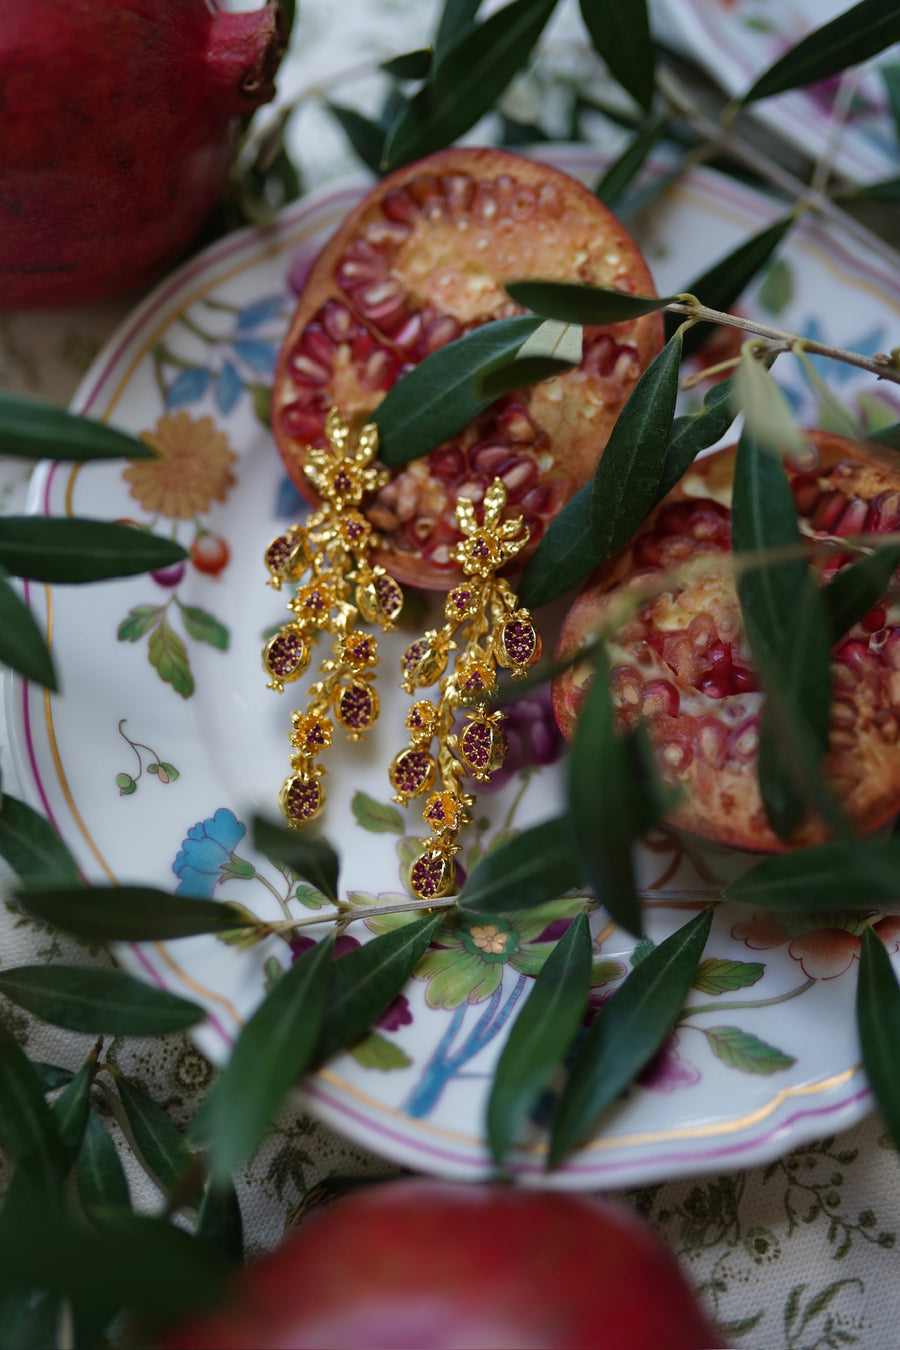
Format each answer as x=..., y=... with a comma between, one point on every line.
x=797, y=1254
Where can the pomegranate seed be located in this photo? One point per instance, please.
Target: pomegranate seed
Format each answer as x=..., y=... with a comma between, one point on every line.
x=447, y=463
x=424, y=189
x=743, y=742
x=884, y=513
x=648, y=551
x=484, y=205
x=719, y=656
x=828, y=511
x=715, y=688
x=843, y=712
x=362, y=346
x=660, y=697
x=675, y=755
x=515, y=423
x=418, y=529
x=380, y=370
x=316, y=343
x=675, y=519
x=354, y=272
x=338, y=322
x=304, y=370
x=440, y=331
x=711, y=740
x=400, y=207
x=518, y=478
x=302, y=423
x=534, y=525
x=679, y=654
x=805, y=488
x=626, y=689
x=409, y=333
x=384, y=303
x=458, y=189
x=522, y=204
x=852, y=652
x=550, y=199
x=386, y=233
x=709, y=521
x=490, y=459
x=891, y=649
x=853, y=519
x=743, y=682
x=874, y=620
x=888, y=726
x=537, y=500
x=473, y=490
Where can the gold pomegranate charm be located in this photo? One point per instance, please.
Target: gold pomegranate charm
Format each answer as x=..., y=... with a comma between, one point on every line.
x=327, y=561
x=486, y=623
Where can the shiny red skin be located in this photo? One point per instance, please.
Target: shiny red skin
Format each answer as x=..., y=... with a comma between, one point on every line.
x=119, y=122
x=419, y=1263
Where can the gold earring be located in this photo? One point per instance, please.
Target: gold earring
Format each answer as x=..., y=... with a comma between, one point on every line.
x=328, y=562
x=486, y=624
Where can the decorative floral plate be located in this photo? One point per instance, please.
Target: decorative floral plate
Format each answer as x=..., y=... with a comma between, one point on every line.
x=736, y=40
x=164, y=742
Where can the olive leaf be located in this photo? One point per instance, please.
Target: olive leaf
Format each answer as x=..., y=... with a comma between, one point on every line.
x=67, y=550
x=533, y=867
x=878, y=1022
x=219, y=1220
x=99, y=1175
x=697, y=431
x=159, y=1142
x=888, y=190
x=32, y=847
x=552, y=349
x=840, y=875
x=851, y=38
x=129, y=913
x=365, y=980
x=621, y=173
x=609, y=805
x=627, y=1032
x=456, y=17
x=440, y=396
x=767, y=414
x=33, y=430
x=572, y=302
x=105, y=1002
x=620, y=32
x=854, y=590
x=627, y=479
x=312, y=859
x=275, y=1047
x=540, y=1035
x=721, y=285
x=27, y=1124
x=468, y=75
x=365, y=135
x=22, y=644
x=889, y=436
x=51, y=1076
x=413, y=65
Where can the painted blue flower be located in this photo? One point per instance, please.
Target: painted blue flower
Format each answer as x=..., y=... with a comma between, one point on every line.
x=207, y=855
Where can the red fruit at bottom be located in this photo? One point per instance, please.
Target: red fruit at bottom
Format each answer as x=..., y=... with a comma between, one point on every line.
x=420, y=1263
x=119, y=122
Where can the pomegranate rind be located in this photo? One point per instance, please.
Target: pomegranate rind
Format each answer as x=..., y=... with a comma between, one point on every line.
x=443, y=235
x=715, y=772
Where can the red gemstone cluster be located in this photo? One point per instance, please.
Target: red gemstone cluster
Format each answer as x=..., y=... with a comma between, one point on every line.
x=327, y=561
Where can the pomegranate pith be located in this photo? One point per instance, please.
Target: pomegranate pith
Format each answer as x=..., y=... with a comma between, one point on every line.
x=682, y=662
x=119, y=121
x=419, y=263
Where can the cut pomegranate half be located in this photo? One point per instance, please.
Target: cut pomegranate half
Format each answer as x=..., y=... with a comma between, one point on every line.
x=682, y=662
x=422, y=261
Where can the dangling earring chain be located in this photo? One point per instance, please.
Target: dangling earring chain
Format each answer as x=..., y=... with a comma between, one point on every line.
x=327, y=560
x=497, y=631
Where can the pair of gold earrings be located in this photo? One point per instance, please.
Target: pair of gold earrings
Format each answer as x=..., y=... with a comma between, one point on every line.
x=336, y=585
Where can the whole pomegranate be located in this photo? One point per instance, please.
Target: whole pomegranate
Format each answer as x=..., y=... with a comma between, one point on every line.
x=420, y=1263
x=119, y=121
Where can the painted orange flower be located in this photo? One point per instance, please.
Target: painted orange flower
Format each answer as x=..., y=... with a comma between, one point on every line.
x=193, y=469
x=825, y=945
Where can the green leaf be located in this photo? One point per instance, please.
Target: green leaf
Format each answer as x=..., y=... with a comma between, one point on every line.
x=718, y=976
x=620, y=32
x=203, y=627
x=551, y=350
x=571, y=302
x=567, y=553
x=627, y=479
x=27, y=1124
x=840, y=875
x=607, y=804
x=312, y=859
x=140, y=620
x=129, y=913
x=888, y=190
x=469, y=74
x=22, y=644
x=777, y=288
x=767, y=414
x=275, y=1047
x=159, y=1141
x=51, y=1076
x=440, y=397
x=742, y=1050
x=376, y=817
x=620, y=174
x=888, y=435
x=857, y=588
x=457, y=16
x=73, y=550
x=536, y=866
x=409, y=65
x=540, y=1036
x=31, y=846
x=34, y=430
x=878, y=1021
x=697, y=431
x=721, y=285
x=168, y=655
x=377, y=1052
x=102, y=1183
x=29, y=1321
x=627, y=1032
x=853, y=37
x=104, y=1002
x=367, y=979
x=70, y=1110
x=365, y=135
x=219, y=1220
